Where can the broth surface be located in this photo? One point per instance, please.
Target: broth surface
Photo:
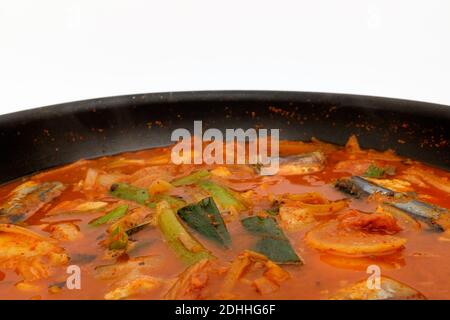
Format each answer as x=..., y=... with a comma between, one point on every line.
x=422, y=263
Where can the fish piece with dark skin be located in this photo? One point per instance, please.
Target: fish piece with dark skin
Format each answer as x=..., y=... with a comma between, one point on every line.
x=437, y=218
x=27, y=199
x=302, y=164
x=388, y=289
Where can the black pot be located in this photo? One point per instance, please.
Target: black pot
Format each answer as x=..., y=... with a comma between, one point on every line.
x=41, y=138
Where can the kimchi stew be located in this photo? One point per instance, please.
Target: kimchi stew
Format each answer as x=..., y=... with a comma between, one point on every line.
x=136, y=226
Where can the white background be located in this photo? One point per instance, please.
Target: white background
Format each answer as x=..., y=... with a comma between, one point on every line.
x=61, y=50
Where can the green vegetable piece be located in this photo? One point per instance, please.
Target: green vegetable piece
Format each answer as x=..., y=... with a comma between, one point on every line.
x=128, y=192
x=137, y=228
x=191, y=179
x=374, y=172
x=113, y=215
x=174, y=202
x=185, y=246
x=118, y=239
x=263, y=227
x=272, y=241
x=221, y=195
x=277, y=250
x=205, y=218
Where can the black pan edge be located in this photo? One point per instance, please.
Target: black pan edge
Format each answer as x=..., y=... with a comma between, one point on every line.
x=41, y=138
x=374, y=102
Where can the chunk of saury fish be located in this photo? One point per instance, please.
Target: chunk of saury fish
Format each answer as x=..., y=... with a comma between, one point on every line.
x=301, y=164
x=27, y=199
x=435, y=216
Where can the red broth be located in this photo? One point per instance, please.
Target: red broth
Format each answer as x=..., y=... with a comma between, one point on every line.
x=422, y=263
